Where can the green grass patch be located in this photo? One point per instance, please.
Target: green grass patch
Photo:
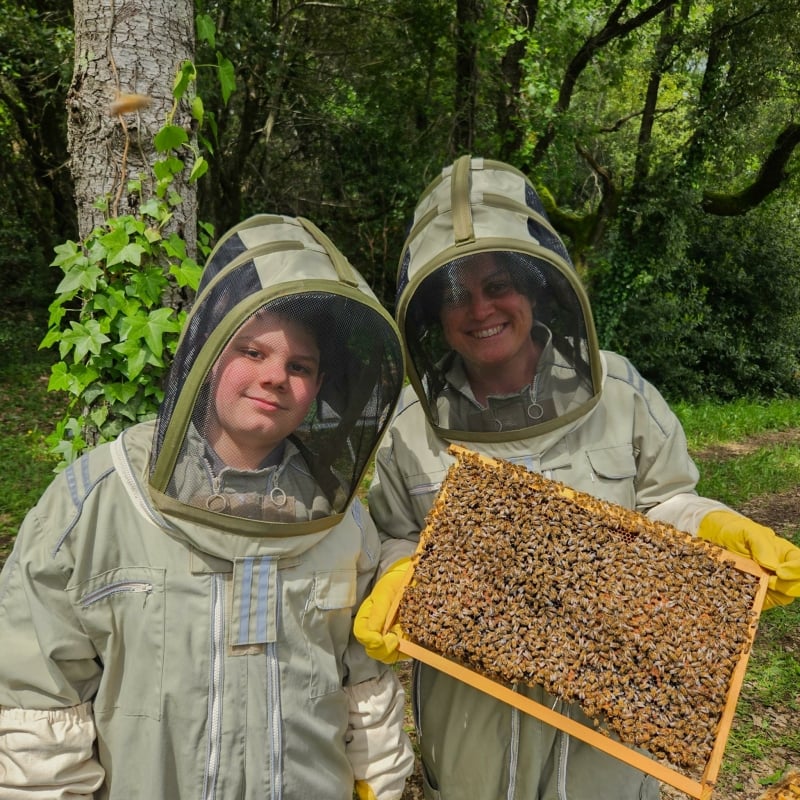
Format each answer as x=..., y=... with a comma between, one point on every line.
x=27, y=415
x=709, y=423
x=734, y=480
x=770, y=688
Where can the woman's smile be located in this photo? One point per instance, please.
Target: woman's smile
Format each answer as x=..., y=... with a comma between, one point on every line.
x=485, y=333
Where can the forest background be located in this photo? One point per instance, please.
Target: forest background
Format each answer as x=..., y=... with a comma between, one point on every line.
x=661, y=136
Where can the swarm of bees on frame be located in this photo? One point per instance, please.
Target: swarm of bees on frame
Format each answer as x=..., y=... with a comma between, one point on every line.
x=528, y=582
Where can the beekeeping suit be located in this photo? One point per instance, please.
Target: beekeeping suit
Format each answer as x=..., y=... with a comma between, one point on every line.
x=176, y=615
x=585, y=418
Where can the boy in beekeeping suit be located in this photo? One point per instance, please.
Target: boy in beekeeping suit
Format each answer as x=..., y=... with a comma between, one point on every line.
x=503, y=358
x=176, y=616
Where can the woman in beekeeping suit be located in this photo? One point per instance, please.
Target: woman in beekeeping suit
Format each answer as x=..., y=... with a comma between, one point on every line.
x=503, y=358
x=176, y=615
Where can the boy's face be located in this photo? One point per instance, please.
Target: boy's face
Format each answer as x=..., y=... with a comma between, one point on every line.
x=264, y=383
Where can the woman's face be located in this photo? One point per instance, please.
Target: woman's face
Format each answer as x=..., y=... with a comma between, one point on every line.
x=264, y=384
x=484, y=318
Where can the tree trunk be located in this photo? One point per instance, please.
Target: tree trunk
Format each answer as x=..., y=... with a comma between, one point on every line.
x=127, y=53
x=468, y=13
x=511, y=67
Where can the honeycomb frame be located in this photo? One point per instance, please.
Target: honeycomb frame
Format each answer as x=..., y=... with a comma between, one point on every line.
x=446, y=628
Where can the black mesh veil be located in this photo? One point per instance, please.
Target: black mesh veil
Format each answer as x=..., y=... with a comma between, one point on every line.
x=559, y=326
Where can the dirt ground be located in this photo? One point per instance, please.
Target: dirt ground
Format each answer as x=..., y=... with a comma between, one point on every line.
x=781, y=512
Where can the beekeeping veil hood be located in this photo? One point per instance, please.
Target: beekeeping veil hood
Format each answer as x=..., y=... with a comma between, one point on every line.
x=473, y=208
x=276, y=271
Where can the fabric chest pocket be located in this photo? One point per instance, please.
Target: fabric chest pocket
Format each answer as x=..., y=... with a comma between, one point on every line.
x=422, y=491
x=327, y=622
x=123, y=612
x=614, y=474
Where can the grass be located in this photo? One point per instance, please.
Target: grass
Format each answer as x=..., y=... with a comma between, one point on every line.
x=768, y=469
x=28, y=413
x=765, y=738
x=710, y=423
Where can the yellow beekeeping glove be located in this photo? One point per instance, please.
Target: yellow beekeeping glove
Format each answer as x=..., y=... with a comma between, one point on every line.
x=747, y=538
x=364, y=791
x=371, y=616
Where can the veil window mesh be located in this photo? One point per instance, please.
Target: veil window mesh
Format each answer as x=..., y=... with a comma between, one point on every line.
x=317, y=468
x=565, y=369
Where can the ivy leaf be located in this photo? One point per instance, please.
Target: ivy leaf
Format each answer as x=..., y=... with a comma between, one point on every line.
x=136, y=357
x=51, y=337
x=170, y=137
x=187, y=274
x=120, y=392
x=199, y=168
x=174, y=246
x=148, y=286
x=206, y=29
x=68, y=254
x=151, y=207
x=73, y=379
x=111, y=303
x=85, y=339
x=80, y=277
x=115, y=239
x=99, y=416
x=130, y=254
x=167, y=169
x=159, y=322
x=151, y=329
x=227, y=77
x=67, y=440
x=186, y=74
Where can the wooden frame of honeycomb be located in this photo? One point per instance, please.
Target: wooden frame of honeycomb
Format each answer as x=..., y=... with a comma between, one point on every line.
x=521, y=581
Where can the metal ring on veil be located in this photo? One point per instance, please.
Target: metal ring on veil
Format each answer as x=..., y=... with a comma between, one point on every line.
x=217, y=502
x=278, y=496
x=533, y=408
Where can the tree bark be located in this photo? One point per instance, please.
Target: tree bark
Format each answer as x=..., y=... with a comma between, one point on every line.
x=770, y=177
x=123, y=48
x=468, y=13
x=508, y=113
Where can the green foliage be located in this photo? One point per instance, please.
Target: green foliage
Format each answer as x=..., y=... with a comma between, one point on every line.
x=703, y=307
x=114, y=334
x=119, y=307
x=35, y=191
x=750, y=268
x=347, y=111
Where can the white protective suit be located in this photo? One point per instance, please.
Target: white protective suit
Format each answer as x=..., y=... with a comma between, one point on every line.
x=588, y=420
x=176, y=628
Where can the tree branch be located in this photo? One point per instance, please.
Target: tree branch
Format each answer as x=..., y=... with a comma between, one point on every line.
x=771, y=175
x=613, y=29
